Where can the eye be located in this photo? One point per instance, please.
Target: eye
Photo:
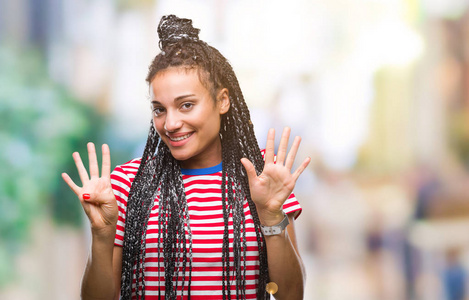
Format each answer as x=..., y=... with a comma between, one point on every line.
x=187, y=106
x=157, y=111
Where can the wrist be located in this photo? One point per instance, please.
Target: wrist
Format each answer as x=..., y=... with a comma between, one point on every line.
x=276, y=229
x=270, y=218
x=103, y=235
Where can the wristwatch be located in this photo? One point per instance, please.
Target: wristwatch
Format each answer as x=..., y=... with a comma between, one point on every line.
x=276, y=229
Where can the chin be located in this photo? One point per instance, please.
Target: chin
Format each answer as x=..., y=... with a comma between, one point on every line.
x=180, y=156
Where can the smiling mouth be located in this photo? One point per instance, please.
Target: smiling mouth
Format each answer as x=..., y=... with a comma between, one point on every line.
x=180, y=138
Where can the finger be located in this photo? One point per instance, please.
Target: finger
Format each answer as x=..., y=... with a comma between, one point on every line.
x=94, y=170
x=301, y=168
x=292, y=153
x=250, y=169
x=270, y=147
x=75, y=188
x=282, y=148
x=92, y=198
x=80, y=167
x=106, y=168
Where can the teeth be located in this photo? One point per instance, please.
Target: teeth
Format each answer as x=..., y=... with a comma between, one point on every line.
x=177, y=139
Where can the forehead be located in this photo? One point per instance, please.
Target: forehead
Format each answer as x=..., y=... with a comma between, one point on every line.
x=177, y=80
x=182, y=76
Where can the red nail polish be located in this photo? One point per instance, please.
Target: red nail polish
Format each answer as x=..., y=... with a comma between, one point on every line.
x=86, y=196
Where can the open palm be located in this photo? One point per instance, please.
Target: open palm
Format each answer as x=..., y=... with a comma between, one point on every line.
x=96, y=195
x=274, y=185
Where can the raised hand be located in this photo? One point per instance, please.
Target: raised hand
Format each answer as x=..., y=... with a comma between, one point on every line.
x=96, y=195
x=274, y=185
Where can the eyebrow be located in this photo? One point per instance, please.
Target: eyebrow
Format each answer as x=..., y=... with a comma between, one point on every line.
x=182, y=97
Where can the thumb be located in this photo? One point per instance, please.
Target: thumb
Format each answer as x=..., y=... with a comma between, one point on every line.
x=249, y=167
x=91, y=198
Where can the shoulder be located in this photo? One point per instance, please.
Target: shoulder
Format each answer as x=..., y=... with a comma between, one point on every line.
x=126, y=172
x=130, y=166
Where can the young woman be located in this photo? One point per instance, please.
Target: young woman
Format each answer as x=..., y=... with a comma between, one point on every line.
x=202, y=214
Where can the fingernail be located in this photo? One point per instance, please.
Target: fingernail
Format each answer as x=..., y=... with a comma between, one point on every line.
x=86, y=196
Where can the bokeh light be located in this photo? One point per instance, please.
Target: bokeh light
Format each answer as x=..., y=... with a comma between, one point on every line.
x=377, y=89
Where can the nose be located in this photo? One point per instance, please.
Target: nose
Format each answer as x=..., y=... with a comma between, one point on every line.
x=172, y=122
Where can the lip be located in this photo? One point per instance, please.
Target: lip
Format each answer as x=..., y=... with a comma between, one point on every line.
x=179, y=139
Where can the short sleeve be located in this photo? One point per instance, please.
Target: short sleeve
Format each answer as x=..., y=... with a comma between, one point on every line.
x=292, y=206
x=120, y=183
x=121, y=180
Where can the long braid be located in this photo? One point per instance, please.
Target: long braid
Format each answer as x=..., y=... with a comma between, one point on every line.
x=225, y=187
x=238, y=216
x=159, y=177
x=136, y=212
x=239, y=117
x=251, y=150
x=171, y=208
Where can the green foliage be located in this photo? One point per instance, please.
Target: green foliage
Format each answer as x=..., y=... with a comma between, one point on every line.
x=41, y=125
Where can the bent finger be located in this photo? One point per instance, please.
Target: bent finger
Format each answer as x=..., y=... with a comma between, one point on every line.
x=92, y=198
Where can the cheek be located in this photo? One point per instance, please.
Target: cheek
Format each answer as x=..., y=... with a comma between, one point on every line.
x=158, y=124
x=213, y=129
x=211, y=122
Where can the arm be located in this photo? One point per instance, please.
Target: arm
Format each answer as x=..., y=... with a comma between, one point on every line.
x=286, y=268
x=269, y=192
x=100, y=279
x=117, y=266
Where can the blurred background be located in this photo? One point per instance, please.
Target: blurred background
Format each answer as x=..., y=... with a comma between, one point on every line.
x=378, y=90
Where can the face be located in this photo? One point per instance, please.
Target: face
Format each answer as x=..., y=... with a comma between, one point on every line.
x=187, y=118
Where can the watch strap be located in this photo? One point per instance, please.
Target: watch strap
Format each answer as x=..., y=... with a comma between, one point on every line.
x=276, y=229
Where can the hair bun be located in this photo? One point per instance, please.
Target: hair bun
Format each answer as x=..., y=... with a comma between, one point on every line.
x=172, y=30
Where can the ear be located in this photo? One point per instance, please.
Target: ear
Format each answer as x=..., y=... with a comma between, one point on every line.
x=223, y=99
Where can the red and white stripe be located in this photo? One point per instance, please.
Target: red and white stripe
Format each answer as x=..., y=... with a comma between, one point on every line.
x=203, y=194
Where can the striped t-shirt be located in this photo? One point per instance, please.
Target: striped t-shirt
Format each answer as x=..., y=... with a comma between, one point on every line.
x=203, y=194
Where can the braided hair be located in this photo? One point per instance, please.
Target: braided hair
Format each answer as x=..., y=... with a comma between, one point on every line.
x=159, y=176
